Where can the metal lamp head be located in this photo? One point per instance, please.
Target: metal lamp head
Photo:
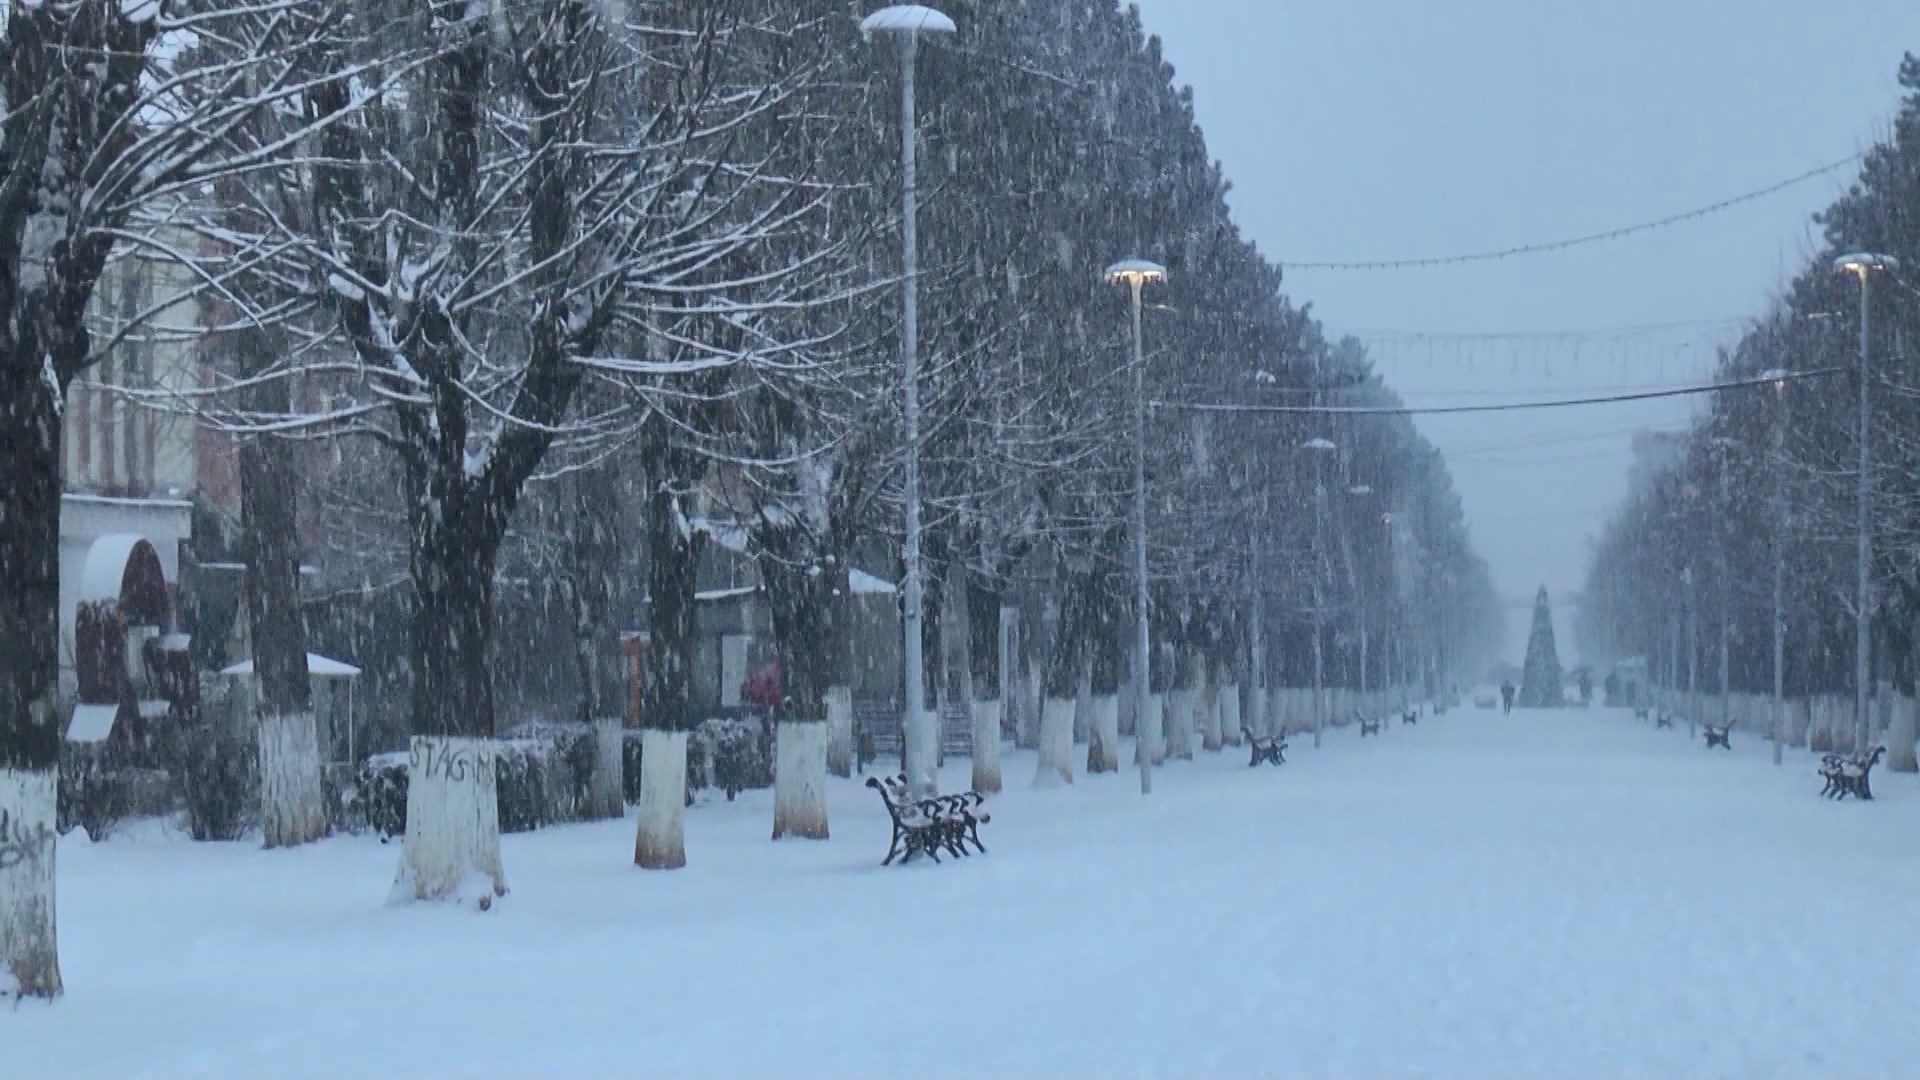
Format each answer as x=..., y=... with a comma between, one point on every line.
x=1135, y=272
x=1862, y=263
x=908, y=19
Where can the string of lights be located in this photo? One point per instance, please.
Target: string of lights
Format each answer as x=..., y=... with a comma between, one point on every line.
x=1575, y=241
x=1507, y=406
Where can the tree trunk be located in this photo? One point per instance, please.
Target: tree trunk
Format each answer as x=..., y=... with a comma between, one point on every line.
x=840, y=731
x=799, y=582
x=660, y=841
x=592, y=558
x=1207, y=702
x=673, y=556
x=983, y=642
x=292, y=802
x=453, y=831
x=1103, y=740
x=1056, y=743
x=29, y=675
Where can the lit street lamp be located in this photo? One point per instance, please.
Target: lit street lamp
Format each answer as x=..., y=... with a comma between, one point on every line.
x=1135, y=274
x=905, y=23
x=1861, y=265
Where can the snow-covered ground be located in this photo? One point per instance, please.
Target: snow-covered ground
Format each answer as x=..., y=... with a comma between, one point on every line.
x=1567, y=895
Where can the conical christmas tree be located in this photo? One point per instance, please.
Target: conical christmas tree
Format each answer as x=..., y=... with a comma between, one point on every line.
x=1540, y=678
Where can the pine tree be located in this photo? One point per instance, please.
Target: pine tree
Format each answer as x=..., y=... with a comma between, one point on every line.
x=1540, y=678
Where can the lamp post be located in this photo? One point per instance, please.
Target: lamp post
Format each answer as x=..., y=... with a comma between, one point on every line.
x=1722, y=570
x=1862, y=264
x=905, y=23
x=1320, y=448
x=1135, y=274
x=1360, y=603
x=1779, y=560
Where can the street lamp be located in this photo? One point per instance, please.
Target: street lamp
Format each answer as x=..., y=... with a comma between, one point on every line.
x=1862, y=264
x=1723, y=443
x=1779, y=379
x=905, y=23
x=1320, y=447
x=1135, y=274
x=1360, y=608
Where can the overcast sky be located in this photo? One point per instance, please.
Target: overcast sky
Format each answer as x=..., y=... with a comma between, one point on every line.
x=1385, y=129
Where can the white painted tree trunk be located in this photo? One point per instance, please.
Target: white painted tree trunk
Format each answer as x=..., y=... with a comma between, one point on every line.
x=453, y=823
x=1901, y=734
x=1083, y=707
x=1150, y=731
x=1229, y=709
x=800, y=779
x=1179, y=724
x=607, y=790
x=29, y=955
x=660, y=838
x=1211, y=737
x=293, y=805
x=1056, y=743
x=840, y=730
x=1258, y=706
x=986, y=745
x=1103, y=741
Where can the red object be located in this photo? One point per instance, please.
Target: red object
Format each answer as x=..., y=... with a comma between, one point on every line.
x=762, y=688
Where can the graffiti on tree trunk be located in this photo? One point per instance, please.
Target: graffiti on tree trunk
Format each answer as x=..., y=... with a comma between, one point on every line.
x=21, y=843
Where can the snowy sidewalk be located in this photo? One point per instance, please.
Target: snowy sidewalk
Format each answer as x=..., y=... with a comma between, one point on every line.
x=1564, y=895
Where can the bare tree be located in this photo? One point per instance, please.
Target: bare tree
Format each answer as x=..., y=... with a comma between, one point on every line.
x=105, y=113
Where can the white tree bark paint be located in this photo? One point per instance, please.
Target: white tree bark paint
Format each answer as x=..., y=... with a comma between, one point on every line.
x=1056, y=743
x=1179, y=724
x=1103, y=741
x=840, y=730
x=1083, y=706
x=29, y=956
x=607, y=791
x=660, y=839
x=1211, y=737
x=453, y=823
x=986, y=746
x=1150, y=730
x=1901, y=734
x=293, y=805
x=800, y=779
x=1229, y=707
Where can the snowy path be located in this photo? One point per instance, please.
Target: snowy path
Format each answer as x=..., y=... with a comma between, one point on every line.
x=1568, y=895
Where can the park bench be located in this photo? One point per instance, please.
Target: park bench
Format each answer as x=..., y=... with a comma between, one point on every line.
x=1662, y=720
x=1848, y=775
x=1410, y=716
x=928, y=826
x=1368, y=727
x=1273, y=750
x=1717, y=736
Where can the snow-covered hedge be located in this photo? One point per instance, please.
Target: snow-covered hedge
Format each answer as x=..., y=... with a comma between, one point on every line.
x=102, y=784
x=544, y=772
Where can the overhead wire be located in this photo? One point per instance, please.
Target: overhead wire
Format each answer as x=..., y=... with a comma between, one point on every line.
x=1509, y=406
x=1574, y=241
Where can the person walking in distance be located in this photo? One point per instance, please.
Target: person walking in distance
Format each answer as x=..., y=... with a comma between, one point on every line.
x=1506, y=697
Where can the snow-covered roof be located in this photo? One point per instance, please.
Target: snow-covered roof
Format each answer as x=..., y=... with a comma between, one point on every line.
x=908, y=18
x=725, y=594
x=92, y=723
x=122, y=500
x=864, y=583
x=322, y=666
